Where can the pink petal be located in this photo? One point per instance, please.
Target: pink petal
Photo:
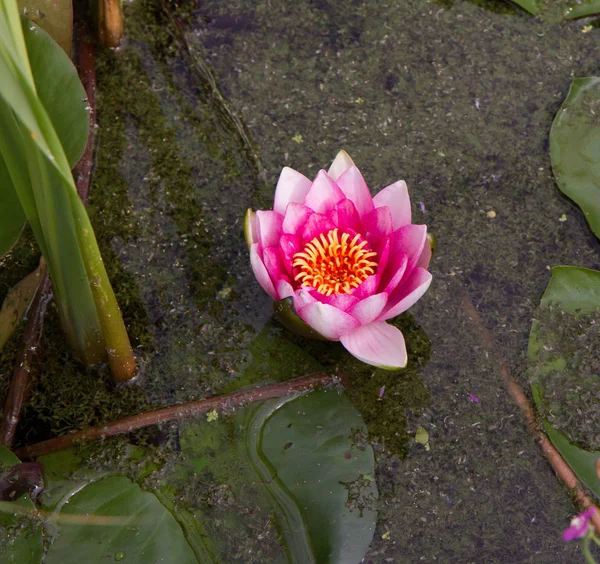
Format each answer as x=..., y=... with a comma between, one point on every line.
x=425, y=257
x=289, y=246
x=383, y=255
x=295, y=217
x=331, y=322
x=379, y=222
x=272, y=261
x=269, y=227
x=379, y=344
x=353, y=185
x=323, y=194
x=345, y=216
x=284, y=289
x=395, y=197
x=316, y=224
x=340, y=301
x=303, y=297
x=391, y=278
x=340, y=164
x=291, y=187
x=368, y=287
x=408, y=240
x=260, y=272
x=407, y=293
x=250, y=228
x=368, y=310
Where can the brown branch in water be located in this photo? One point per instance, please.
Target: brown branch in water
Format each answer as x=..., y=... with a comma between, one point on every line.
x=561, y=468
x=189, y=409
x=26, y=365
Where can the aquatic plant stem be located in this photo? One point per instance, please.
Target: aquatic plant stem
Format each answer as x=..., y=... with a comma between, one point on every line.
x=560, y=467
x=120, y=354
x=189, y=409
x=26, y=365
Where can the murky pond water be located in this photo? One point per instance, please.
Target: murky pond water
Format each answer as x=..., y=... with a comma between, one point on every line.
x=198, y=113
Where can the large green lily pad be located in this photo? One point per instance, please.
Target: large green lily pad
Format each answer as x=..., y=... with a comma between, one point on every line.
x=118, y=521
x=565, y=367
x=20, y=538
x=301, y=459
x=575, y=148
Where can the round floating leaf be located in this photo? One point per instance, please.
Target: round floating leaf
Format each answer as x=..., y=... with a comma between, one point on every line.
x=118, y=521
x=24, y=543
x=562, y=352
x=575, y=148
x=309, y=442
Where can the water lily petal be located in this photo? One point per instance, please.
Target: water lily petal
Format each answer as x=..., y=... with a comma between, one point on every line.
x=269, y=227
x=368, y=287
x=340, y=164
x=408, y=240
x=392, y=277
x=304, y=297
x=250, y=227
x=378, y=222
x=368, y=310
x=353, y=185
x=292, y=186
x=341, y=301
x=284, y=289
x=396, y=198
x=383, y=254
x=379, y=344
x=317, y=223
x=329, y=321
x=425, y=257
x=323, y=194
x=260, y=271
x=345, y=216
x=295, y=217
x=407, y=293
x=289, y=245
x=272, y=261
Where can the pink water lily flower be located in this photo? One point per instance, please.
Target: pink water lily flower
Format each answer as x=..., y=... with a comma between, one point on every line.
x=345, y=261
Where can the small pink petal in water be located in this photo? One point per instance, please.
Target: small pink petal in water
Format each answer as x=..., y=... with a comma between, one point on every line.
x=475, y=400
x=422, y=207
x=579, y=525
x=381, y=392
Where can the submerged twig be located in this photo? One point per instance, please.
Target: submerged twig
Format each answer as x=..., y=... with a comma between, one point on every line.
x=26, y=365
x=561, y=468
x=189, y=409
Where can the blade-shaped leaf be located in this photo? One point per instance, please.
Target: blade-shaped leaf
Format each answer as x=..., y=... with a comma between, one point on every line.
x=575, y=148
x=12, y=216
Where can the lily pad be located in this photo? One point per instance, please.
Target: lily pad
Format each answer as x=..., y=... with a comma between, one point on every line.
x=575, y=148
x=565, y=368
x=304, y=460
x=114, y=519
x=20, y=538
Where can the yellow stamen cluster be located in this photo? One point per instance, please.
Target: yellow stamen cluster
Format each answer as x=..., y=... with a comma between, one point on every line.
x=333, y=265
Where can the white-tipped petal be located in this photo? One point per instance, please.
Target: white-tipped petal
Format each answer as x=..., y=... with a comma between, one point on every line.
x=292, y=186
x=340, y=164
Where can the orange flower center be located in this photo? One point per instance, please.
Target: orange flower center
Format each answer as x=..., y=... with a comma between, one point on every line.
x=334, y=265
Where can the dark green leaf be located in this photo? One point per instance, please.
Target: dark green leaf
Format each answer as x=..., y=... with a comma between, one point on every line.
x=297, y=457
x=23, y=544
x=55, y=16
x=530, y=5
x=561, y=347
x=582, y=9
x=12, y=216
x=141, y=530
x=575, y=147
